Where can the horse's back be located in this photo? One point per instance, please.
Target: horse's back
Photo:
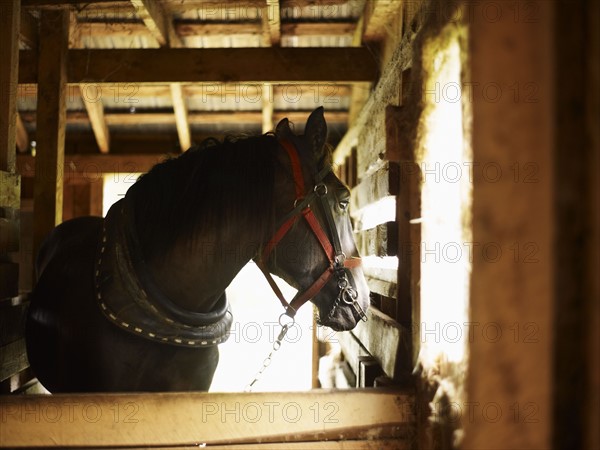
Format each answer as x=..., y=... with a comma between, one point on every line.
x=64, y=266
x=72, y=347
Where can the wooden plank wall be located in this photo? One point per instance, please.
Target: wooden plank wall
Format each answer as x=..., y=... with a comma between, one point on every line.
x=374, y=162
x=13, y=360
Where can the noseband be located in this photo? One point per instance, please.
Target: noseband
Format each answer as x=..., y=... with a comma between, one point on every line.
x=338, y=263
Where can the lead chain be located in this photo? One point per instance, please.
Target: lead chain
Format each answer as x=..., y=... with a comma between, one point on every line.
x=268, y=359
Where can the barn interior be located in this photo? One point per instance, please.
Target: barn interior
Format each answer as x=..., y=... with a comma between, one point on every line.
x=467, y=132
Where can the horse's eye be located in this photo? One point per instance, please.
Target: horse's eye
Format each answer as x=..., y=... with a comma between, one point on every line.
x=344, y=205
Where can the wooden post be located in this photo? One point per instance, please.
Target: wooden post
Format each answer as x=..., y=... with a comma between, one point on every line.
x=9, y=180
x=10, y=12
x=51, y=117
x=515, y=213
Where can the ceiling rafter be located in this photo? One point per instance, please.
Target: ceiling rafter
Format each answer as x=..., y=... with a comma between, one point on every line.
x=160, y=24
x=92, y=100
x=273, y=21
x=271, y=36
x=22, y=135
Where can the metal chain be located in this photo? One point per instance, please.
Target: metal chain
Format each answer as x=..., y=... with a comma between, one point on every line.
x=269, y=358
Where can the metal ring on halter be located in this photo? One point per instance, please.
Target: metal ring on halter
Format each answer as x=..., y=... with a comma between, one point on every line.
x=351, y=294
x=298, y=200
x=318, y=190
x=290, y=323
x=339, y=261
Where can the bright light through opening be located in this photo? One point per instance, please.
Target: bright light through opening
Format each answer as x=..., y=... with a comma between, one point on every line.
x=381, y=211
x=446, y=206
x=115, y=187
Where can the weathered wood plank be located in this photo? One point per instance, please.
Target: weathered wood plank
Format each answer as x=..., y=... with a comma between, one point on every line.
x=383, y=287
x=379, y=241
x=375, y=444
x=368, y=129
x=191, y=418
x=385, y=340
x=274, y=64
x=50, y=128
x=13, y=359
x=10, y=12
x=380, y=184
x=352, y=350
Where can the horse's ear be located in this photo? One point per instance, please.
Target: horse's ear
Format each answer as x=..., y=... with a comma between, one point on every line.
x=283, y=128
x=315, y=132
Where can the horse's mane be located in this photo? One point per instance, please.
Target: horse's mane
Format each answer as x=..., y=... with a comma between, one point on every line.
x=211, y=185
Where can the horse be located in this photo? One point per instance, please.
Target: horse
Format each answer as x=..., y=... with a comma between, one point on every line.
x=136, y=301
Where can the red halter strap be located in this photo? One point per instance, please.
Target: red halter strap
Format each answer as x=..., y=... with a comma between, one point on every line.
x=303, y=209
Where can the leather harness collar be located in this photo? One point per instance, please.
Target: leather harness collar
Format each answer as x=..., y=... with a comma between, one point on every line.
x=338, y=264
x=130, y=299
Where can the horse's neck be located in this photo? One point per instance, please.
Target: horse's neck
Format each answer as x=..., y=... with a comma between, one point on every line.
x=194, y=277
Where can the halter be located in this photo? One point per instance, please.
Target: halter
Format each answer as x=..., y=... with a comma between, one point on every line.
x=338, y=264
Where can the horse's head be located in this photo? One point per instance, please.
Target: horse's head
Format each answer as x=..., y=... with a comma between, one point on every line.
x=313, y=248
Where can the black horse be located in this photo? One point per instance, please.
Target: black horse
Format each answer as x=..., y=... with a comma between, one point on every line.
x=135, y=301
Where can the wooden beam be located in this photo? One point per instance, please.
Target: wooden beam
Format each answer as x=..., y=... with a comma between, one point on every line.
x=10, y=12
x=194, y=117
x=51, y=123
x=203, y=29
x=181, y=116
x=160, y=25
x=22, y=135
x=93, y=166
x=273, y=21
x=267, y=108
x=158, y=22
x=323, y=92
x=29, y=30
x=256, y=65
x=50, y=4
x=95, y=111
x=191, y=418
x=341, y=28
